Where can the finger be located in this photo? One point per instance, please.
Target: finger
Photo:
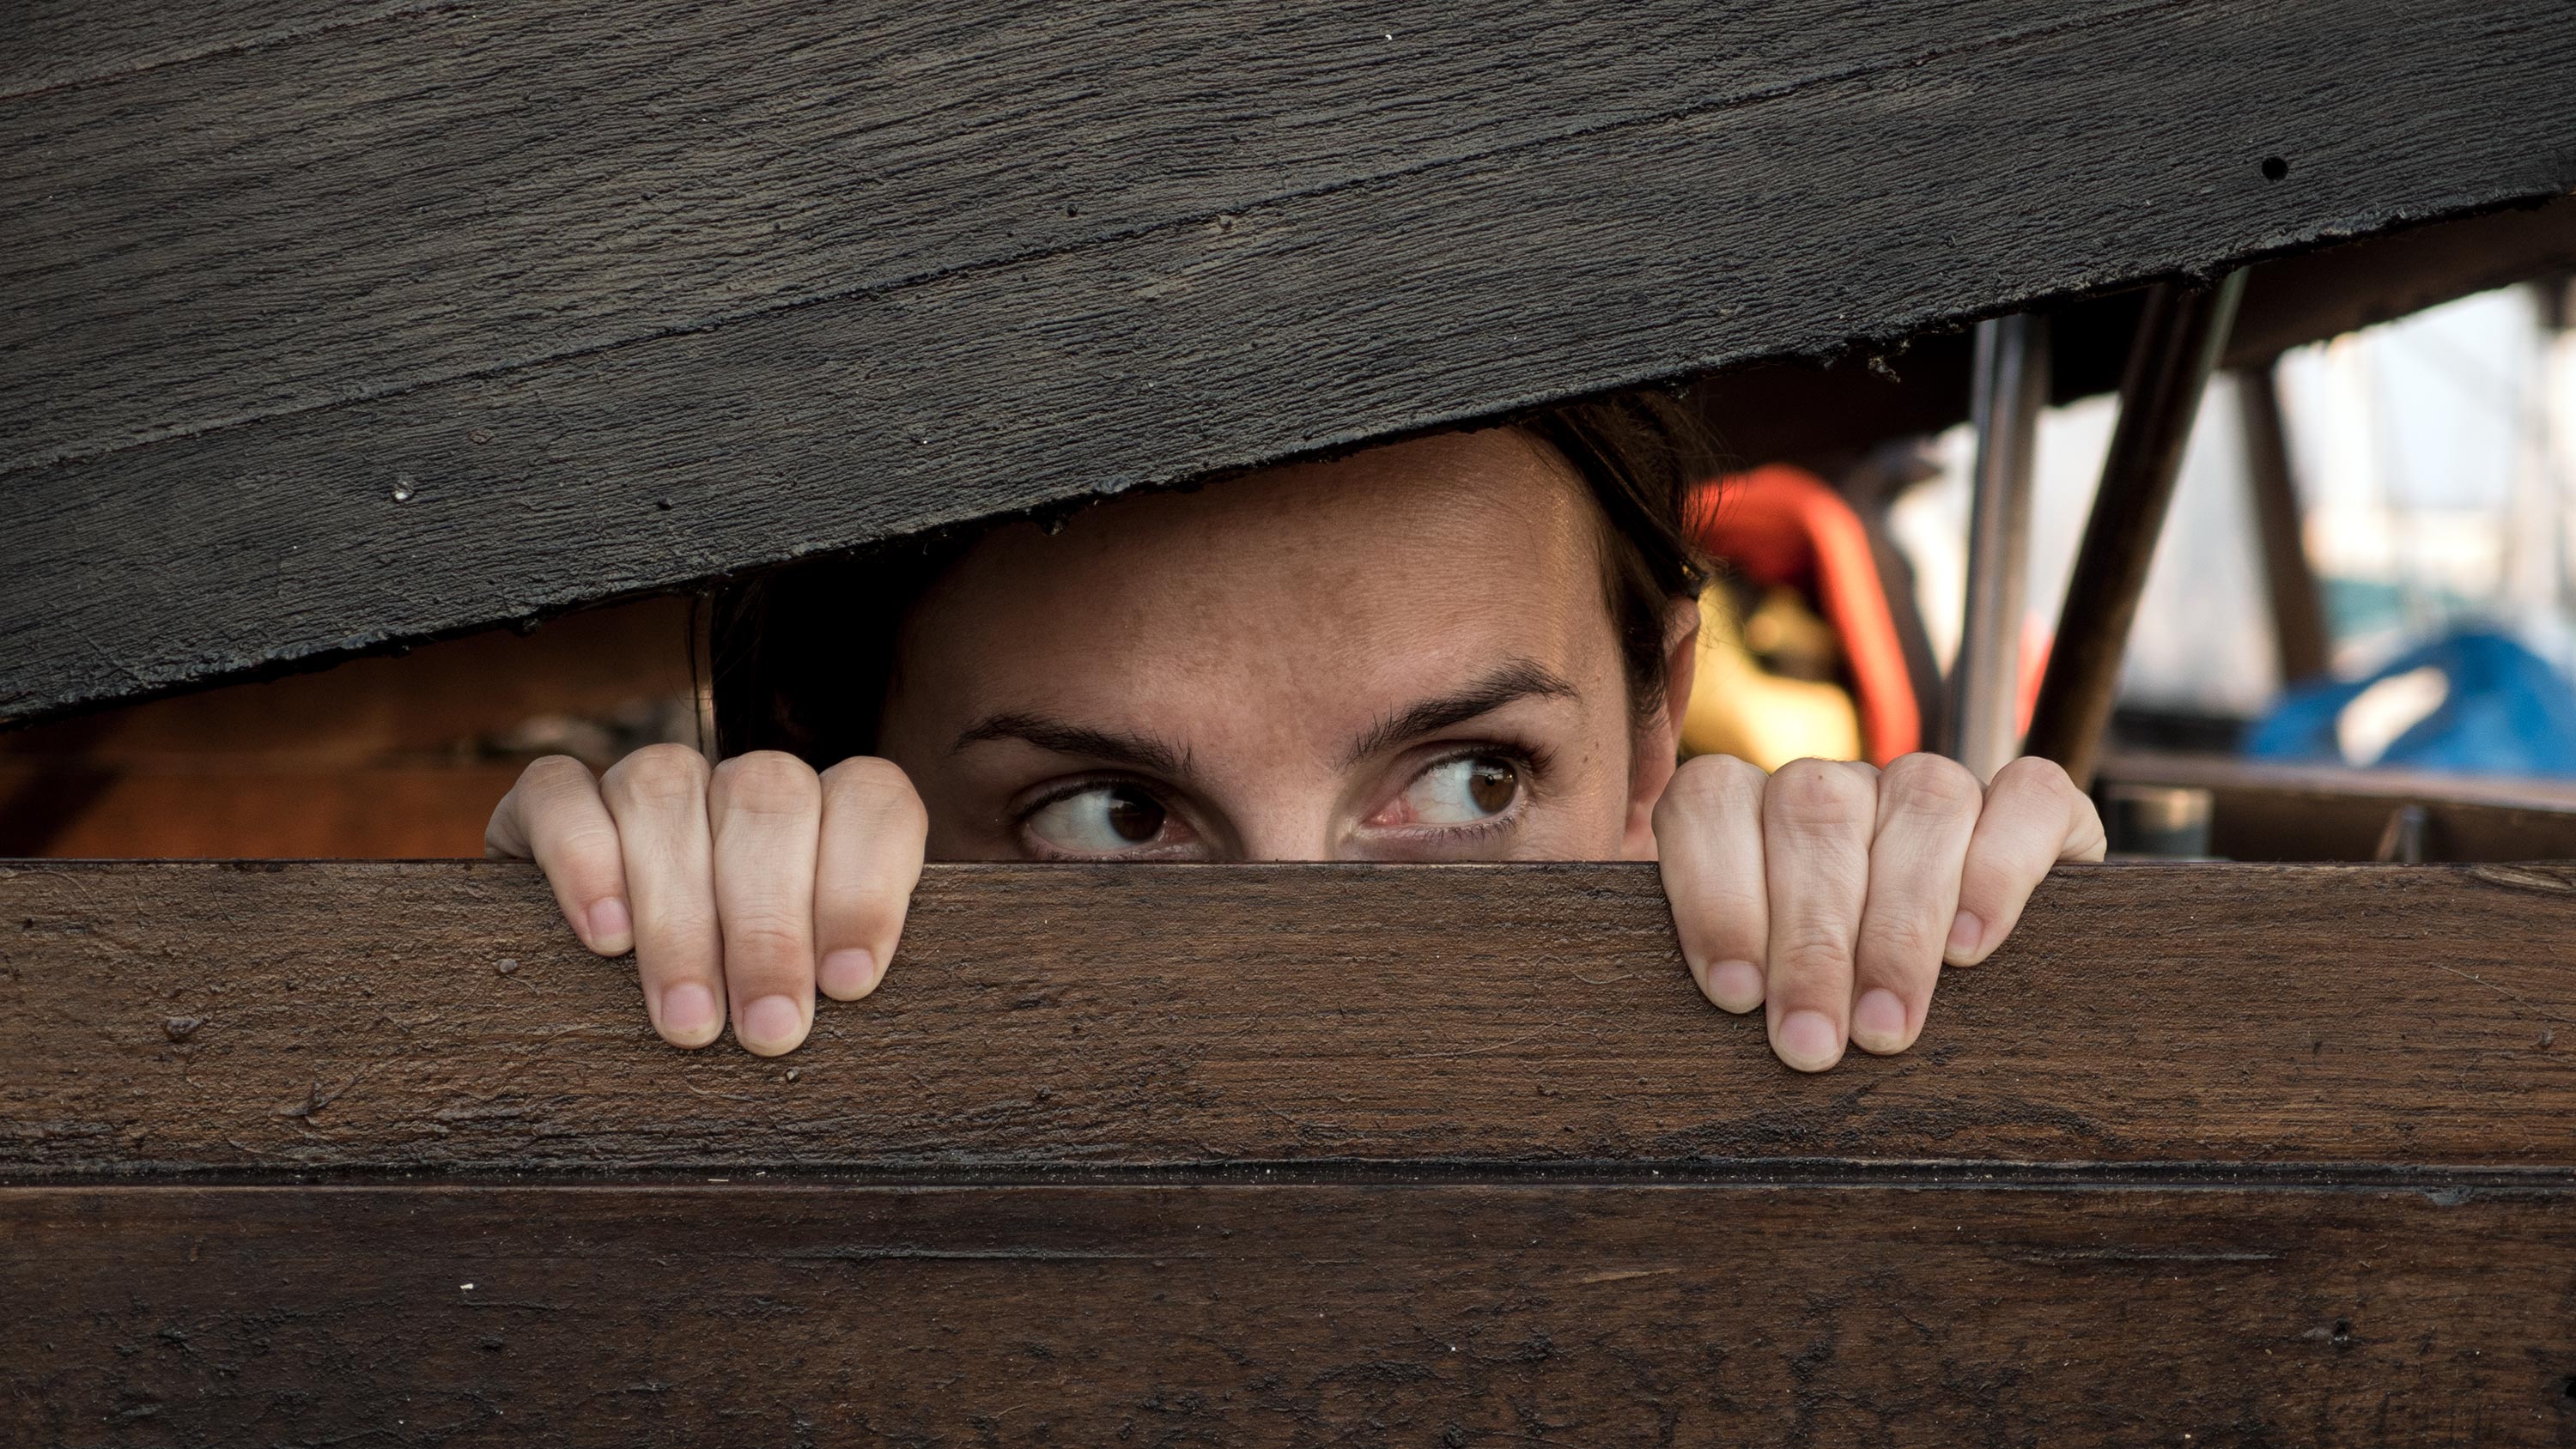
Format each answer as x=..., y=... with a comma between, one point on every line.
x=766, y=809
x=1927, y=807
x=1817, y=817
x=659, y=796
x=2034, y=818
x=874, y=830
x=1708, y=844
x=554, y=817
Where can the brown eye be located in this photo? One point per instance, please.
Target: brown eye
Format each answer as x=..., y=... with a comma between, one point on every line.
x=1134, y=816
x=1104, y=820
x=1463, y=791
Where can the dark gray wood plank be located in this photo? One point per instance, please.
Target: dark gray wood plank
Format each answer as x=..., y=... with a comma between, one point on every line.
x=477, y=189
x=1443, y=1314
x=324, y=1017
x=61, y=43
x=567, y=423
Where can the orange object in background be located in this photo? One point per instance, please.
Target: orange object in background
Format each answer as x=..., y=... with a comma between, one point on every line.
x=1781, y=526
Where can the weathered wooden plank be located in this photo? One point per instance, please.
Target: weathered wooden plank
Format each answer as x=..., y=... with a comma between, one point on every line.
x=1441, y=1314
x=2266, y=811
x=60, y=43
x=2308, y=298
x=438, y=1017
x=478, y=188
x=1322, y=242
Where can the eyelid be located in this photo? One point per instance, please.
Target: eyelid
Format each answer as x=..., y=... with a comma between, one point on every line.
x=1025, y=807
x=1037, y=797
x=1530, y=760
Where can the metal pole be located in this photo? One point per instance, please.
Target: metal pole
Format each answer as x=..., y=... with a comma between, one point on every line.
x=2010, y=388
x=2178, y=342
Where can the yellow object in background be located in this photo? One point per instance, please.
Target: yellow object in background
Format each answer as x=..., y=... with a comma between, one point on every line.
x=1738, y=707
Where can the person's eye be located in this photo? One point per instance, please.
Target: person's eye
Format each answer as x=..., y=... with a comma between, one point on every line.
x=1104, y=819
x=1463, y=791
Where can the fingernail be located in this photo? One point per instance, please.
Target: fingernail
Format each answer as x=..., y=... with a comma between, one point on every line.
x=847, y=975
x=1808, y=1041
x=1878, y=1021
x=611, y=929
x=771, y=1025
x=689, y=1014
x=1735, y=985
x=1965, y=933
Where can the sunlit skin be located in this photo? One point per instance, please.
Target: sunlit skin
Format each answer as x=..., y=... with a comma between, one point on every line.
x=1279, y=643
x=1403, y=655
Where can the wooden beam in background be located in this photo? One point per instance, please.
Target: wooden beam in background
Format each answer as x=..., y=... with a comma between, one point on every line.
x=438, y=1017
x=2178, y=342
x=455, y=315
x=2267, y=811
x=2302, y=643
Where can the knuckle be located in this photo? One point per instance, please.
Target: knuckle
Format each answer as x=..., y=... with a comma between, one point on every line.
x=1901, y=940
x=553, y=775
x=1706, y=785
x=766, y=941
x=878, y=787
x=768, y=780
x=1812, y=948
x=660, y=775
x=2089, y=840
x=589, y=843
x=682, y=938
x=1933, y=783
x=2033, y=775
x=1819, y=794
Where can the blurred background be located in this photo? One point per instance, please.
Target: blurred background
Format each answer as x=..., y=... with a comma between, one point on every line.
x=2431, y=460
x=2435, y=465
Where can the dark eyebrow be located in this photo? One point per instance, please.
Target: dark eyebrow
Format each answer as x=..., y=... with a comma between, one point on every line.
x=1136, y=752
x=1518, y=679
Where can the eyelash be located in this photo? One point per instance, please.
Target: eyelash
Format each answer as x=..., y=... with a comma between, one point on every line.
x=1066, y=789
x=1532, y=761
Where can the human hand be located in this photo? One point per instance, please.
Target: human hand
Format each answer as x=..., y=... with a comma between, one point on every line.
x=1833, y=892
x=749, y=884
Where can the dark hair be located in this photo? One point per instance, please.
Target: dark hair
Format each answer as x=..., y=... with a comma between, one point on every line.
x=803, y=656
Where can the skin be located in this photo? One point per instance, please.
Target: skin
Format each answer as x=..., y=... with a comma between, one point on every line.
x=1403, y=655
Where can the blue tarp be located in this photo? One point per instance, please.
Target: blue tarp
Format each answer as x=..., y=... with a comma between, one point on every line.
x=2506, y=712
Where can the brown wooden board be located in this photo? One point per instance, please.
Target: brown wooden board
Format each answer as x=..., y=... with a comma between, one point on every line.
x=2261, y=810
x=318, y=337
x=438, y=1017
x=1466, y=1314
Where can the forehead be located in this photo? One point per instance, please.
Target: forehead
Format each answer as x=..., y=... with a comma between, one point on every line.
x=1327, y=587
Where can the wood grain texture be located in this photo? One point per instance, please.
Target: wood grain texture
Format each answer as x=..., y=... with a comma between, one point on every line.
x=63, y=43
x=2266, y=811
x=623, y=297
x=1369, y=1314
x=158, y=1018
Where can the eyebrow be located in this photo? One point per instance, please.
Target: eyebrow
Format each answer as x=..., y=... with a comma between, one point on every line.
x=1136, y=752
x=1518, y=679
